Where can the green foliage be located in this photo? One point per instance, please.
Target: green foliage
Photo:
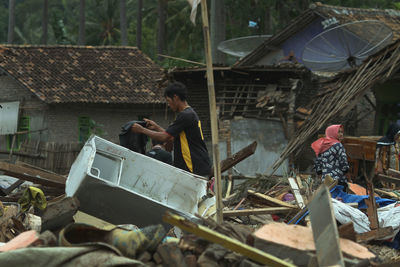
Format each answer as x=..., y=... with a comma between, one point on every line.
x=102, y=22
x=184, y=40
x=87, y=127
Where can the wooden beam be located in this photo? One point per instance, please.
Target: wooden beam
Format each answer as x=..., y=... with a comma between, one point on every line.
x=388, y=179
x=347, y=231
x=272, y=200
x=374, y=234
x=237, y=157
x=32, y=175
x=225, y=241
x=8, y=190
x=388, y=194
x=296, y=192
x=246, y=212
x=213, y=110
x=372, y=212
x=182, y=59
x=393, y=173
x=324, y=228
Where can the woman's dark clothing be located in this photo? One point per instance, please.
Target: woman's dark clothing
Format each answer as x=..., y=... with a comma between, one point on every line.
x=333, y=162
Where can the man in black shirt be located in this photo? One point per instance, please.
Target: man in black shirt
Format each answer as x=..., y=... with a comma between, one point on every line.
x=190, y=151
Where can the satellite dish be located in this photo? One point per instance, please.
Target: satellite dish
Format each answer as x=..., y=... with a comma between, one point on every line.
x=240, y=47
x=345, y=46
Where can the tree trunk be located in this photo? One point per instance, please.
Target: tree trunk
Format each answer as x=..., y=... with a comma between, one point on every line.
x=283, y=14
x=81, y=40
x=162, y=29
x=268, y=21
x=45, y=20
x=217, y=30
x=123, y=22
x=139, y=24
x=11, y=21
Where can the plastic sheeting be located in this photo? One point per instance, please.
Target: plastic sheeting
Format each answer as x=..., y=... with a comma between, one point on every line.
x=387, y=216
x=337, y=192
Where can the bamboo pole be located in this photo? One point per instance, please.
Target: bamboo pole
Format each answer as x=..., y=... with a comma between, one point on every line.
x=182, y=59
x=213, y=107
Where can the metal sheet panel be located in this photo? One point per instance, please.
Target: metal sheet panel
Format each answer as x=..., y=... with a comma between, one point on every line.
x=9, y=117
x=270, y=139
x=121, y=186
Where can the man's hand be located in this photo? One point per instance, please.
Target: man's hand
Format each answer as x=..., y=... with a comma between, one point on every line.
x=137, y=128
x=152, y=125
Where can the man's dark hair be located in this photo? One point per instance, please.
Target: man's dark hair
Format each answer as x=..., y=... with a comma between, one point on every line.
x=176, y=88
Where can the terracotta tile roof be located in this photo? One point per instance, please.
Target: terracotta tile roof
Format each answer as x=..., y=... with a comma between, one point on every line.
x=78, y=74
x=342, y=15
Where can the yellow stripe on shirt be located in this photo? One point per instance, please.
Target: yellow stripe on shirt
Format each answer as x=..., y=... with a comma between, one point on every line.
x=186, y=151
x=201, y=132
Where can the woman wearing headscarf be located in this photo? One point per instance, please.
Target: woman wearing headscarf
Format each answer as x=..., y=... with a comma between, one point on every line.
x=387, y=150
x=331, y=155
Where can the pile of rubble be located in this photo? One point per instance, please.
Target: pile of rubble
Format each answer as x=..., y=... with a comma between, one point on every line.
x=273, y=221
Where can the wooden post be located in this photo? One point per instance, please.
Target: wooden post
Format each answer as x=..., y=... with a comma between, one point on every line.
x=12, y=146
x=213, y=107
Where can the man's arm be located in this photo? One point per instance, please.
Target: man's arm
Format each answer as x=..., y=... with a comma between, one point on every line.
x=159, y=136
x=153, y=126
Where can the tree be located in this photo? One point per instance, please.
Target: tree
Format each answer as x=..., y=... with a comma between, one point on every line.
x=102, y=22
x=45, y=20
x=11, y=21
x=139, y=24
x=123, y=23
x=162, y=29
x=217, y=30
x=82, y=18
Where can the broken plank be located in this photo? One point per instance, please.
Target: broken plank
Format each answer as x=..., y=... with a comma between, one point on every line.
x=8, y=190
x=296, y=192
x=300, y=214
x=272, y=200
x=237, y=157
x=225, y=241
x=374, y=234
x=347, y=231
x=388, y=194
x=393, y=173
x=324, y=228
x=33, y=175
x=246, y=212
x=299, y=182
x=389, y=179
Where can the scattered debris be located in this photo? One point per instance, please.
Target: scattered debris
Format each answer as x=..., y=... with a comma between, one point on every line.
x=276, y=221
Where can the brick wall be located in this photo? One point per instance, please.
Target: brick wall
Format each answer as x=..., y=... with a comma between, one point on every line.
x=64, y=126
x=30, y=105
x=60, y=121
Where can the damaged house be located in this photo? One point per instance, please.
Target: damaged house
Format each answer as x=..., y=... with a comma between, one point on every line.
x=63, y=94
x=253, y=104
x=367, y=111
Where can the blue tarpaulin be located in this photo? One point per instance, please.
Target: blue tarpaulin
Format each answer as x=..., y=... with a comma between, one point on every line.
x=337, y=192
